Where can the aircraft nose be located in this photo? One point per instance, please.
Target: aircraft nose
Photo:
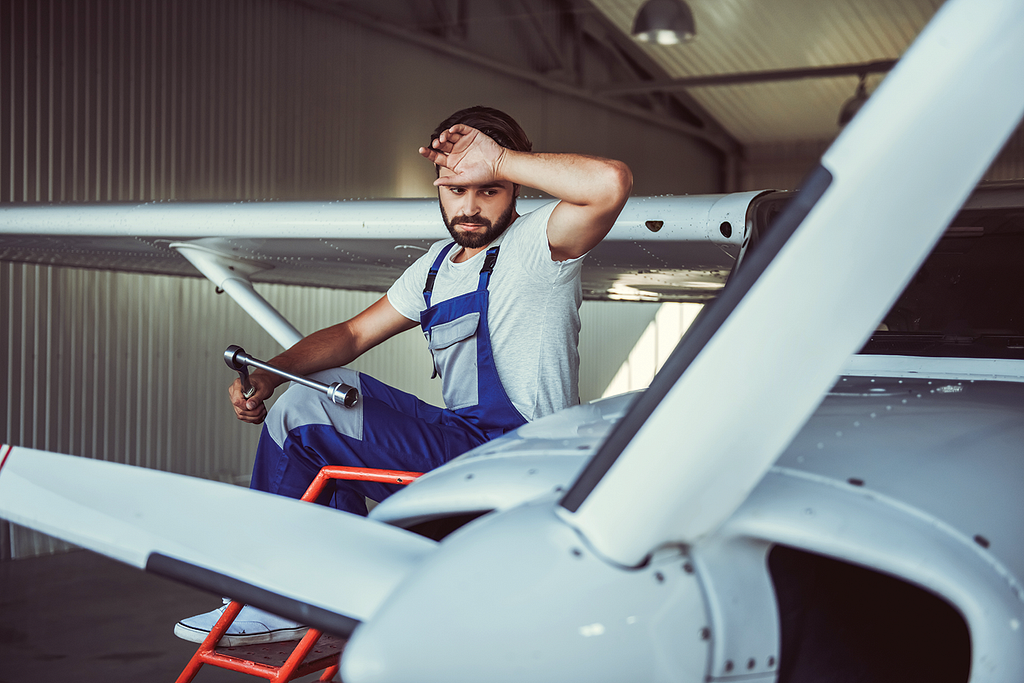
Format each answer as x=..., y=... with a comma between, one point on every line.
x=516, y=596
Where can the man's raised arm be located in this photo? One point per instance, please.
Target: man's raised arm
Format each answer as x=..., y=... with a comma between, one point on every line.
x=592, y=190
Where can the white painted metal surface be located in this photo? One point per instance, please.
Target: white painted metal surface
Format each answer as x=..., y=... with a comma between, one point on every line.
x=846, y=522
x=962, y=369
x=660, y=247
x=952, y=86
x=130, y=513
x=916, y=477
x=538, y=459
x=525, y=599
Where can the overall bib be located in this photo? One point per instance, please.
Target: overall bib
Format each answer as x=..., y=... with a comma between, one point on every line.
x=389, y=428
x=459, y=340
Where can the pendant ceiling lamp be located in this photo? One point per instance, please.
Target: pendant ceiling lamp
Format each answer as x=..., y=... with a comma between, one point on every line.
x=665, y=22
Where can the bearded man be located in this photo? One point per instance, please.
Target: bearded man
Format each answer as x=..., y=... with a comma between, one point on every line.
x=498, y=304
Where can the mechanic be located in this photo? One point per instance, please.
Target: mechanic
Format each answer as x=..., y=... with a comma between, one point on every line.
x=498, y=304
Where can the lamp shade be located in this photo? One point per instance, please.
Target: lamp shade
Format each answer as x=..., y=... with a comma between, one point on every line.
x=665, y=22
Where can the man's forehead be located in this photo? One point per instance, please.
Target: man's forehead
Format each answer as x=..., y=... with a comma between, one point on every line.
x=445, y=173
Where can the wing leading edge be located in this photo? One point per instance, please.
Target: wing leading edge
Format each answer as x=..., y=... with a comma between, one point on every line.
x=661, y=248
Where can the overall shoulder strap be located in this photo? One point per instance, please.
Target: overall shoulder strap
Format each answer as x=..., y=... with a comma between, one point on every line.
x=428, y=288
x=485, y=271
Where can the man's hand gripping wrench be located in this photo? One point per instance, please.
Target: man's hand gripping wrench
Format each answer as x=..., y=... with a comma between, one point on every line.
x=238, y=360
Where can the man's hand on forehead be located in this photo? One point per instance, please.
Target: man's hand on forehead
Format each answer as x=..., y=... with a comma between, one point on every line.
x=472, y=157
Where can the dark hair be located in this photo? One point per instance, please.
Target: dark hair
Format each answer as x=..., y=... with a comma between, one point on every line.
x=493, y=123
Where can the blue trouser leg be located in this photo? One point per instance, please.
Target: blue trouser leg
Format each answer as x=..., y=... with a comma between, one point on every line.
x=390, y=429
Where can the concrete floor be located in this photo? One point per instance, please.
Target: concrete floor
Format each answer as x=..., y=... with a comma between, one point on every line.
x=81, y=617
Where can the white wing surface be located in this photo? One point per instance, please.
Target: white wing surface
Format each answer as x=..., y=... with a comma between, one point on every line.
x=314, y=564
x=670, y=248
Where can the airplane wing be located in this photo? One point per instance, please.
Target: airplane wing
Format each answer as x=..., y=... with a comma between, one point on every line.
x=651, y=254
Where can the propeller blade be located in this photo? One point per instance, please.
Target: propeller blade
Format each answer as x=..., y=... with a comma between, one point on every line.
x=761, y=357
x=319, y=566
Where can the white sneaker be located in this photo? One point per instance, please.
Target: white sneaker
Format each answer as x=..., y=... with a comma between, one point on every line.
x=251, y=627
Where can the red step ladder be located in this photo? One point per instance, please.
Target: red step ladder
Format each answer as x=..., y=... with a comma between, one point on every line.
x=281, y=662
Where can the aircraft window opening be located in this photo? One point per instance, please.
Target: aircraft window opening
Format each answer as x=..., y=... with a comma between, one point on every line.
x=967, y=300
x=843, y=622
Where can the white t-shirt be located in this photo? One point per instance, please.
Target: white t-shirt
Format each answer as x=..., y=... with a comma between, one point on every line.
x=533, y=313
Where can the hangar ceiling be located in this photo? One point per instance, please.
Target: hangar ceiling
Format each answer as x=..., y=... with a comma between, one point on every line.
x=585, y=47
x=776, y=36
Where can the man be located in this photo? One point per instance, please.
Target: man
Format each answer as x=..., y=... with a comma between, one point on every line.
x=498, y=304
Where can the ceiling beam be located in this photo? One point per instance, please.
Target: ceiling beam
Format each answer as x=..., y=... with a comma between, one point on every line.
x=880, y=66
x=723, y=143
x=627, y=49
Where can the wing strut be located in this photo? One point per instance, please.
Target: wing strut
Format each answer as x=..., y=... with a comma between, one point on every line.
x=231, y=274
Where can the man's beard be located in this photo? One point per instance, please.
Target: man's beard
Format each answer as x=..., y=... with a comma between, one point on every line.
x=479, y=238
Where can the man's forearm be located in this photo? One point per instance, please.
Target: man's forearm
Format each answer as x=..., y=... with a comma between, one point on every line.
x=327, y=348
x=341, y=344
x=593, y=191
x=574, y=178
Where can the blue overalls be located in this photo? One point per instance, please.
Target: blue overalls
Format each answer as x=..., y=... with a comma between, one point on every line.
x=389, y=428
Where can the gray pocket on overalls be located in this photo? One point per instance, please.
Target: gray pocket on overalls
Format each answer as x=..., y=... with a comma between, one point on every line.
x=453, y=345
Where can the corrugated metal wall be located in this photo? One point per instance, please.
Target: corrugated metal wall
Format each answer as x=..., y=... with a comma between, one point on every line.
x=1009, y=165
x=654, y=347
x=129, y=368
x=610, y=331
x=127, y=100
x=137, y=100
x=107, y=100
